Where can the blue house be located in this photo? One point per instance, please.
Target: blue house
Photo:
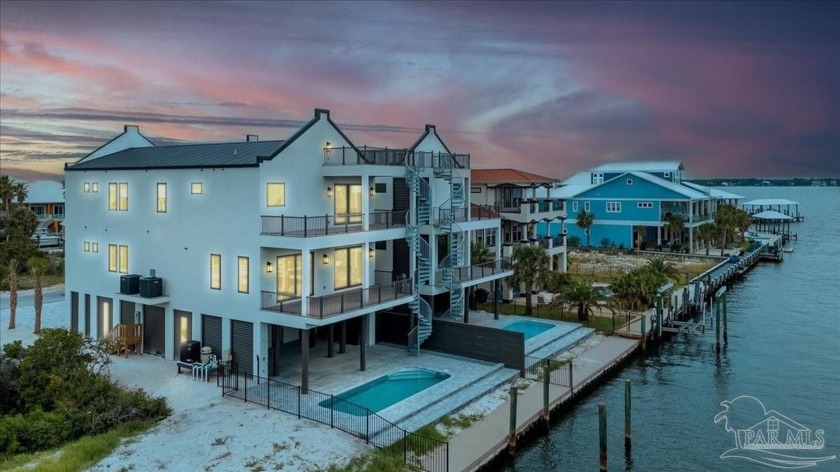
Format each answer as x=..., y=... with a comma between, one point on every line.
x=632, y=203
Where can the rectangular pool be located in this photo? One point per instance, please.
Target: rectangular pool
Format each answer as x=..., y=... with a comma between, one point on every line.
x=528, y=328
x=384, y=391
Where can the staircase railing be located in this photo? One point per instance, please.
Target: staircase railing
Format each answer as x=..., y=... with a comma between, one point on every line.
x=415, y=218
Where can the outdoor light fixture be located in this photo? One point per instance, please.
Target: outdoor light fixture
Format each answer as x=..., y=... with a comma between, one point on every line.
x=329, y=192
x=325, y=259
x=372, y=191
x=371, y=252
x=328, y=146
x=269, y=267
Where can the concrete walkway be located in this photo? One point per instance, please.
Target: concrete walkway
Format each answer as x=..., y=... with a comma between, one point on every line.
x=485, y=439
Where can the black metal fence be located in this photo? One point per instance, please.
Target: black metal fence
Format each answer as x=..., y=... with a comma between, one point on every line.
x=337, y=303
x=306, y=226
x=365, y=155
x=418, y=452
x=560, y=372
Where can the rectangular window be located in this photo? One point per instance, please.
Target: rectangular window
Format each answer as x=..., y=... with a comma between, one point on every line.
x=123, y=259
x=242, y=276
x=381, y=188
x=161, y=197
x=196, y=188
x=475, y=189
x=112, y=197
x=94, y=247
x=94, y=187
x=275, y=194
x=574, y=206
x=348, y=203
x=112, y=258
x=348, y=267
x=381, y=245
x=289, y=276
x=87, y=246
x=597, y=178
x=216, y=271
x=86, y=187
x=613, y=207
x=123, y=196
x=586, y=207
x=629, y=181
x=644, y=205
x=183, y=329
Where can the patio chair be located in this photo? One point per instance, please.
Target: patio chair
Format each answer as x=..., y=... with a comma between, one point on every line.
x=202, y=371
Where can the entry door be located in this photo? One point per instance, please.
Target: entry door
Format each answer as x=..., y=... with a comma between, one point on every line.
x=274, y=350
x=126, y=312
x=154, y=330
x=211, y=334
x=183, y=329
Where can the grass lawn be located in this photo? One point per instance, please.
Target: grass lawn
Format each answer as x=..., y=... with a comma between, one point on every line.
x=75, y=456
x=603, y=324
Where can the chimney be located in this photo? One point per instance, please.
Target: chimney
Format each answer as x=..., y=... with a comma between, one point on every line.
x=322, y=113
x=251, y=138
x=431, y=128
x=132, y=128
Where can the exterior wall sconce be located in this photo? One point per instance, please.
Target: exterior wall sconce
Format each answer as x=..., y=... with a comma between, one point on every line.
x=373, y=191
x=371, y=252
x=325, y=259
x=329, y=192
x=269, y=267
x=328, y=145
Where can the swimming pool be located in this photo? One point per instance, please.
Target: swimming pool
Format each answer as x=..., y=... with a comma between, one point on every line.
x=528, y=328
x=384, y=391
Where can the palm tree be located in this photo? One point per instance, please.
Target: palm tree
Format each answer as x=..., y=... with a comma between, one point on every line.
x=13, y=295
x=708, y=232
x=584, y=222
x=479, y=254
x=743, y=221
x=663, y=270
x=20, y=192
x=6, y=192
x=37, y=267
x=583, y=295
x=674, y=223
x=639, y=233
x=725, y=219
x=530, y=264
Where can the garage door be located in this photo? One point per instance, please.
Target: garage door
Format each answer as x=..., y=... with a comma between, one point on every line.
x=154, y=330
x=211, y=333
x=242, y=345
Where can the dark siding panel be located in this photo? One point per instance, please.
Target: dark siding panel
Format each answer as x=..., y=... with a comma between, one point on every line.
x=402, y=258
x=401, y=195
x=478, y=342
x=211, y=333
x=74, y=312
x=242, y=345
x=126, y=312
x=154, y=330
x=87, y=315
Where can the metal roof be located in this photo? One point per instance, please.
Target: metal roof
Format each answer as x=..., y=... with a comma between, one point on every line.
x=674, y=187
x=769, y=201
x=45, y=191
x=238, y=154
x=660, y=166
x=509, y=176
x=772, y=215
x=713, y=191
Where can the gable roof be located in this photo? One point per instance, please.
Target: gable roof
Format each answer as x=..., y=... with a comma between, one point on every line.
x=238, y=154
x=429, y=129
x=713, y=191
x=509, y=176
x=44, y=191
x=657, y=166
x=672, y=186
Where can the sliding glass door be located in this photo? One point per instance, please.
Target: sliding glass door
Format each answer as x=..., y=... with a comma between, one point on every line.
x=348, y=203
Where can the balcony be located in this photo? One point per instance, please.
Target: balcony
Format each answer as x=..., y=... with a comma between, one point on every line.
x=346, y=156
x=309, y=226
x=502, y=266
x=527, y=211
x=483, y=212
x=334, y=304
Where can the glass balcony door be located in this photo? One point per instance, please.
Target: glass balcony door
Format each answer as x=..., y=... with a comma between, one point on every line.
x=348, y=203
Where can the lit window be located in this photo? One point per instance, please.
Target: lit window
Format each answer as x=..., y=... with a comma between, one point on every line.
x=348, y=267
x=87, y=246
x=123, y=196
x=112, y=197
x=196, y=188
x=86, y=187
x=348, y=203
x=123, y=259
x=94, y=247
x=242, y=276
x=183, y=329
x=94, y=187
x=112, y=258
x=216, y=271
x=275, y=194
x=161, y=198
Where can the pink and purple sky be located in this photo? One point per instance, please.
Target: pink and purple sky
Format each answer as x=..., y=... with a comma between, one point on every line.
x=730, y=89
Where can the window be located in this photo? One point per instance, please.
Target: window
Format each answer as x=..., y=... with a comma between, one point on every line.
x=94, y=187
x=275, y=194
x=586, y=207
x=475, y=189
x=348, y=267
x=112, y=197
x=348, y=203
x=123, y=196
x=629, y=181
x=216, y=271
x=112, y=258
x=380, y=245
x=666, y=174
x=161, y=197
x=289, y=276
x=183, y=329
x=613, y=207
x=574, y=206
x=381, y=188
x=242, y=276
x=87, y=246
x=196, y=188
x=94, y=247
x=644, y=205
x=123, y=259
x=597, y=178
x=86, y=187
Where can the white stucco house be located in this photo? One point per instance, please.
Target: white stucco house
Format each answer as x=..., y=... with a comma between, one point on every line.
x=264, y=248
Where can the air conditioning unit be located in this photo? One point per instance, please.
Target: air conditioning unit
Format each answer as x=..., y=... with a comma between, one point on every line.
x=151, y=287
x=129, y=284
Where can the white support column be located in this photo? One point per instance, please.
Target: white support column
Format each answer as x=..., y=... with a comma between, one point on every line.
x=367, y=182
x=261, y=331
x=305, y=274
x=371, y=321
x=226, y=333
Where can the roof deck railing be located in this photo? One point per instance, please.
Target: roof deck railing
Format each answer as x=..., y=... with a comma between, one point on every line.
x=345, y=155
x=322, y=225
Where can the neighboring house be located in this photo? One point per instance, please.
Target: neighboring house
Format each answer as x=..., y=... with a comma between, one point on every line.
x=46, y=199
x=262, y=247
x=631, y=203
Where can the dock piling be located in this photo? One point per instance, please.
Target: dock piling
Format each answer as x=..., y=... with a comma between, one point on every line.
x=628, y=428
x=602, y=436
x=644, y=332
x=716, y=308
x=512, y=431
x=546, y=414
x=725, y=324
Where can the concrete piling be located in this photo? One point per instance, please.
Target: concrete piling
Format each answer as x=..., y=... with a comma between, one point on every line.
x=602, y=436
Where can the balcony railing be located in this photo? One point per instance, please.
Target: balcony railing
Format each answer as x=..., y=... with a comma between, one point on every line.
x=486, y=269
x=521, y=205
x=307, y=226
x=344, y=156
x=448, y=214
x=333, y=304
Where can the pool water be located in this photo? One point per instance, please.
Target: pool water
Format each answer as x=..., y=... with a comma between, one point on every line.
x=528, y=328
x=384, y=391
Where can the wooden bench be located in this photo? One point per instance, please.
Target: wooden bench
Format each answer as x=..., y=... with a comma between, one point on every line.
x=128, y=336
